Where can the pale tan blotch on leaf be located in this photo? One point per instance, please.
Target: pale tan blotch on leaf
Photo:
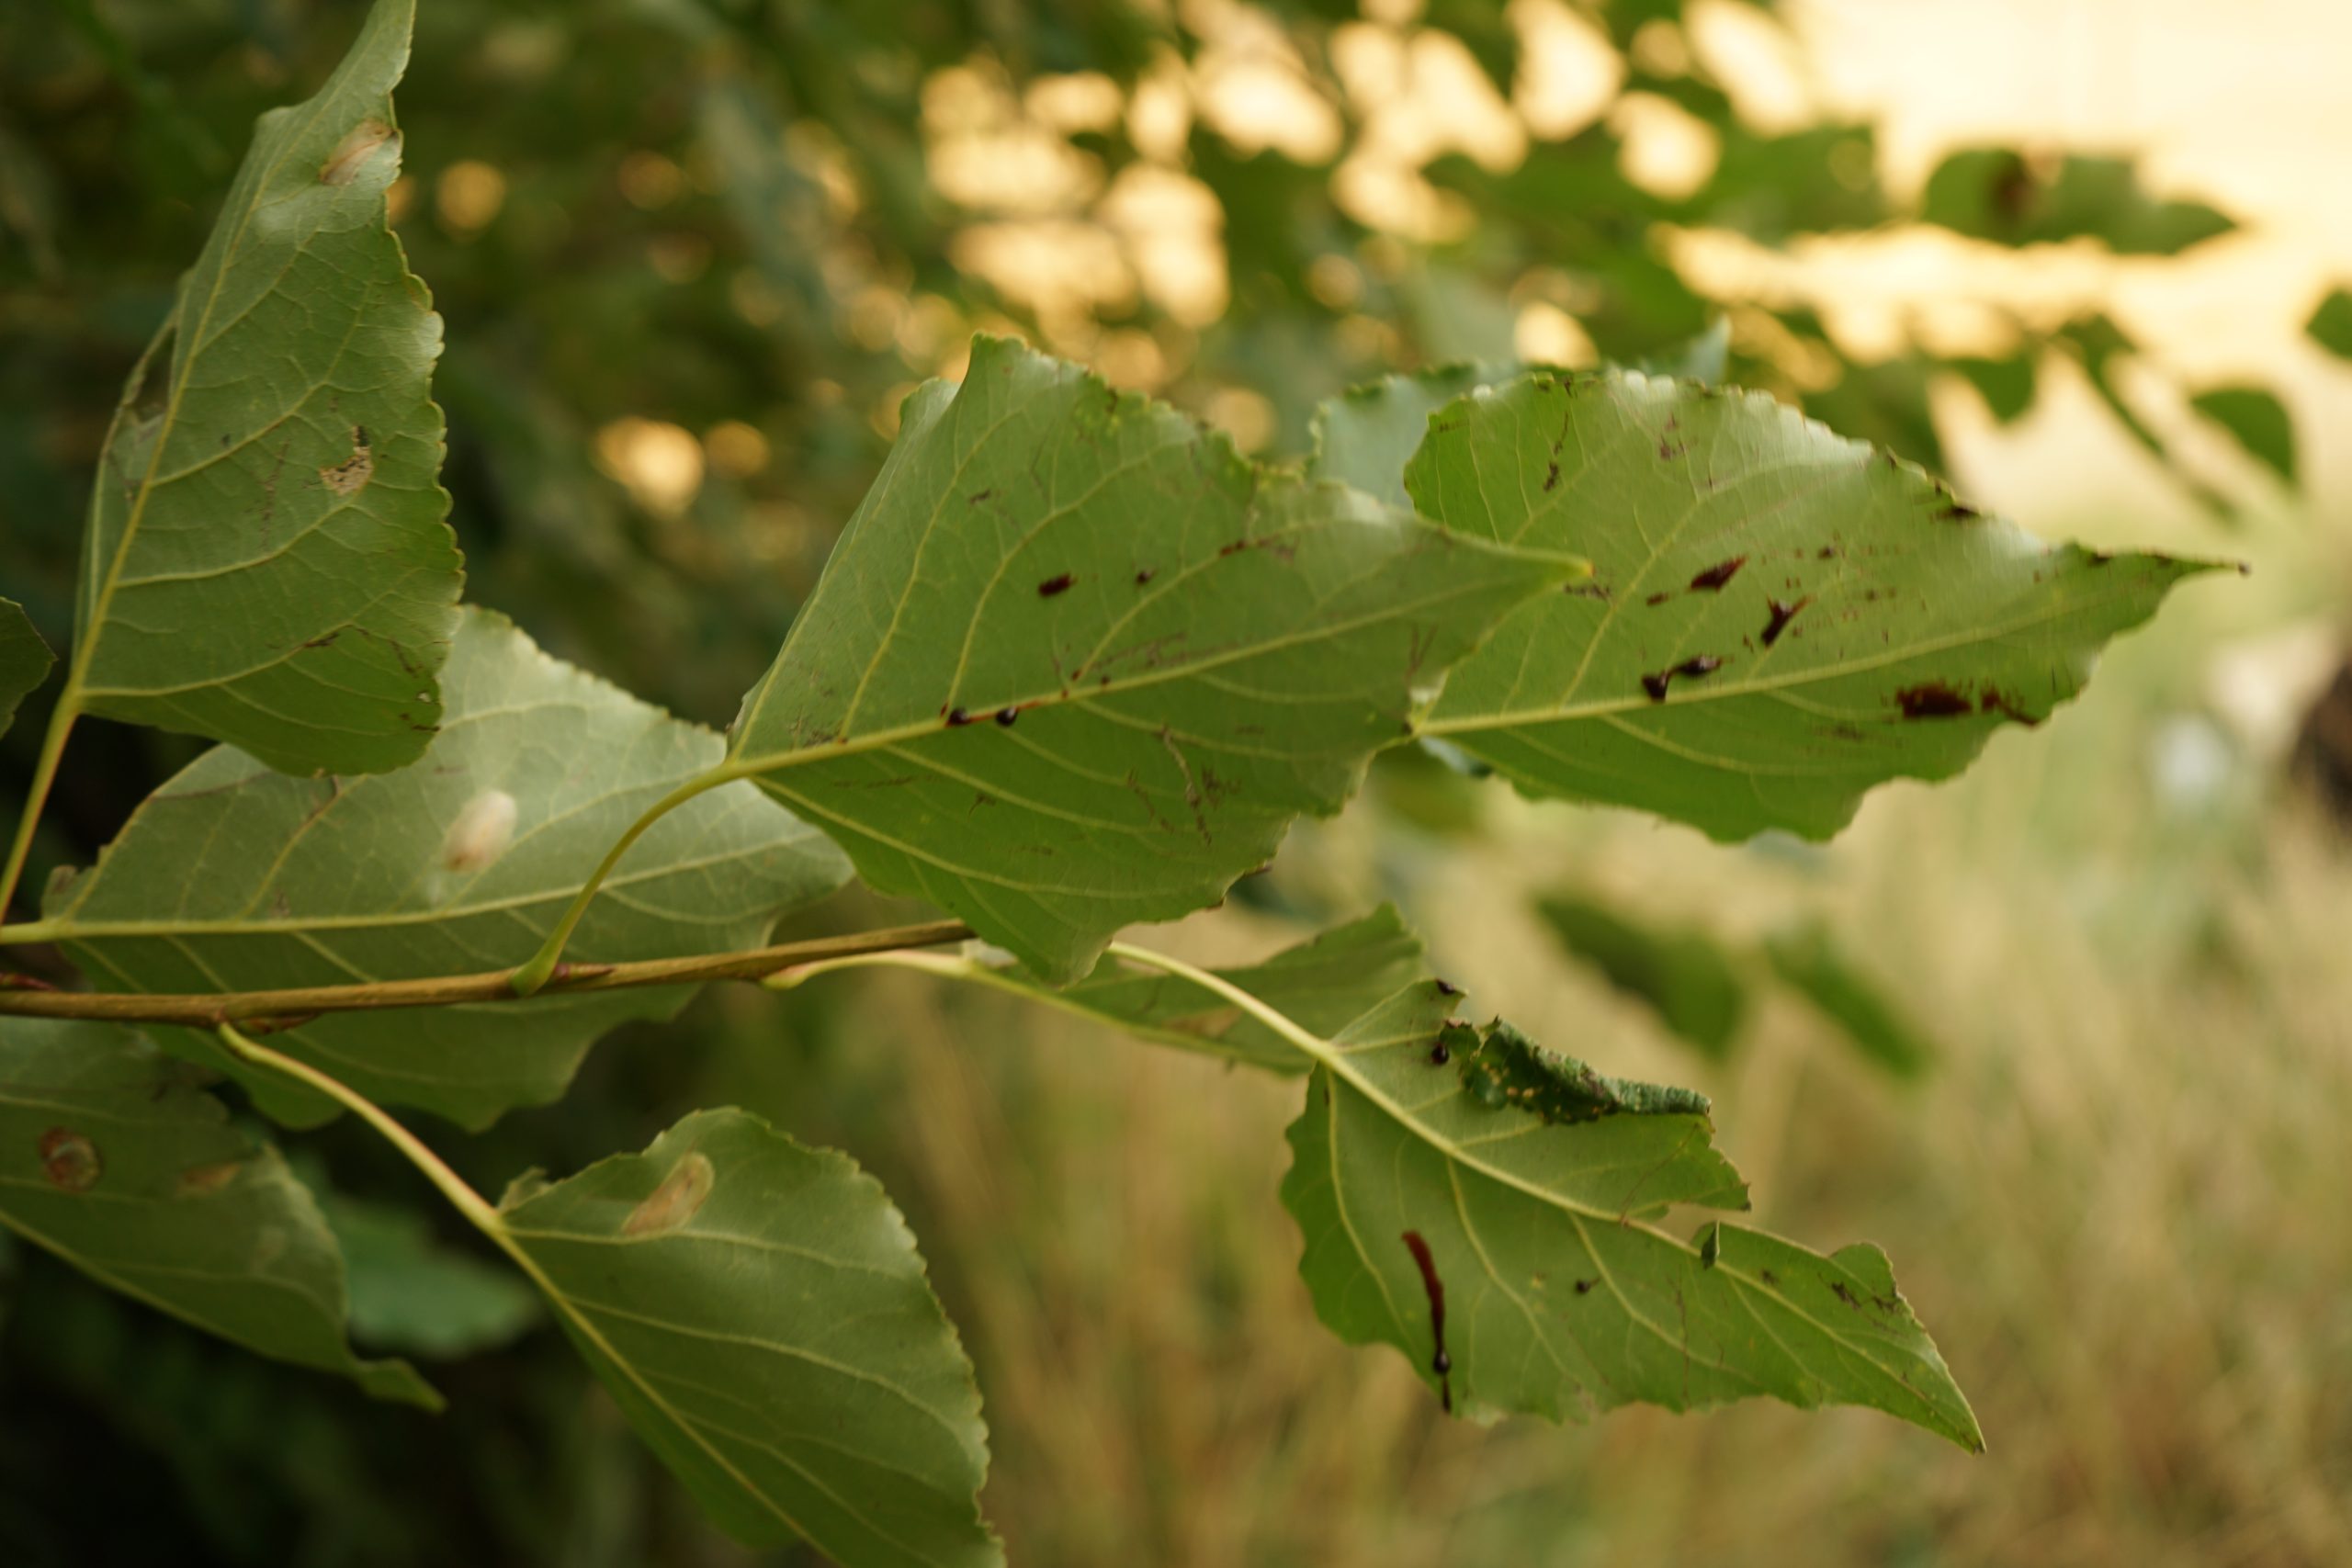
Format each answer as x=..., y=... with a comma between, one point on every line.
x=204, y=1181
x=351, y=153
x=484, y=828
x=677, y=1199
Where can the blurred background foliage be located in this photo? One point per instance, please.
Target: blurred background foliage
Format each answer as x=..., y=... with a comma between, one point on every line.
x=2072, y=1037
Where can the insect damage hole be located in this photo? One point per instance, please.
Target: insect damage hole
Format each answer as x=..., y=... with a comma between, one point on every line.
x=351, y=476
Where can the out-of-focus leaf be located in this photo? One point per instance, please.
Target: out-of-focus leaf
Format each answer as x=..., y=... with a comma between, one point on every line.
x=1075, y=663
x=111, y=1159
x=1322, y=984
x=2330, y=323
x=1992, y=192
x=1779, y=619
x=1818, y=180
x=2102, y=347
x=1486, y=1206
x=2006, y=384
x=759, y=1311
x=24, y=659
x=1685, y=976
x=1362, y=436
x=1700, y=359
x=1810, y=963
x=233, y=877
x=2259, y=422
x=411, y=1293
x=267, y=561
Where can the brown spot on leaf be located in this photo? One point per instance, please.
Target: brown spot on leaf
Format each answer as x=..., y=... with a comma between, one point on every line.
x=1552, y=478
x=1994, y=699
x=1006, y=716
x=1691, y=668
x=70, y=1160
x=678, y=1199
x=1713, y=579
x=1054, y=585
x=1655, y=600
x=957, y=718
x=1145, y=574
x=1931, y=699
x=351, y=476
x=1958, y=512
x=1782, y=614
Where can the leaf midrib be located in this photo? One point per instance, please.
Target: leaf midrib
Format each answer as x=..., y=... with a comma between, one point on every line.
x=102, y=595
x=742, y=767
x=1721, y=691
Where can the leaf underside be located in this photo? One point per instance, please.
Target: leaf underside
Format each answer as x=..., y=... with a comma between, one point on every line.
x=760, y=1312
x=113, y=1159
x=1076, y=664
x=24, y=659
x=1779, y=620
x=233, y=877
x=266, y=561
x=1488, y=1208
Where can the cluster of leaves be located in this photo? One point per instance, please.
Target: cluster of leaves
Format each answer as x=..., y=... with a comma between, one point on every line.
x=1075, y=663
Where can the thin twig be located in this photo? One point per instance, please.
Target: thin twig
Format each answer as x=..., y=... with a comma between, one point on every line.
x=211, y=1010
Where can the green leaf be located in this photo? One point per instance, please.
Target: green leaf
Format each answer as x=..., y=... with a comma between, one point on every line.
x=1321, y=983
x=1779, y=620
x=111, y=1159
x=1075, y=663
x=1362, y=436
x=1991, y=193
x=2259, y=422
x=1812, y=966
x=24, y=659
x=2330, y=323
x=1687, y=979
x=267, y=561
x=411, y=1293
x=1485, y=1206
x=759, y=1311
x=232, y=877
x=1702, y=358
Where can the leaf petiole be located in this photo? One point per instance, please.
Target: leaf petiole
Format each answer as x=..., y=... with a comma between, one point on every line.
x=536, y=973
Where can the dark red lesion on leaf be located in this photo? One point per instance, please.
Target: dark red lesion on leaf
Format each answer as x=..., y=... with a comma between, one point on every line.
x=1434, y=1288
x=1656, y=683
x=1783, y=613
x=1933, y=699
x=1715, y=577
x=1054, y=585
